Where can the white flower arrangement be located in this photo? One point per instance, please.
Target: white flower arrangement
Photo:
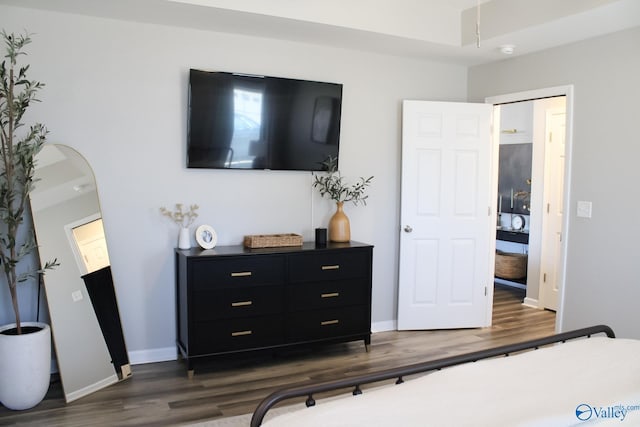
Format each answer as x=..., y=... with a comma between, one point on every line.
x=183, y=218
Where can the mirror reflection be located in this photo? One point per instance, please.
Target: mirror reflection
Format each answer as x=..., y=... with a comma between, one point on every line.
x=89, y=343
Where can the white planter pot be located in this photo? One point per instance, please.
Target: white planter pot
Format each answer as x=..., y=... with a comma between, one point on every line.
x=25, y=370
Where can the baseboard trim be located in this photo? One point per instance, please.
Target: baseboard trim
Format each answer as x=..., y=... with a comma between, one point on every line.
x=141, y=357
x=531, y=302
x=74, y=395
x=165, y=354
x=384, y=326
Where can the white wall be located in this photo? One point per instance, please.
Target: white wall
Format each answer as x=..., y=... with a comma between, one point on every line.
x=602, y=284
x=116, y=92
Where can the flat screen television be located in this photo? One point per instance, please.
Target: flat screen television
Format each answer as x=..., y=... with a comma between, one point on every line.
x=239, y=121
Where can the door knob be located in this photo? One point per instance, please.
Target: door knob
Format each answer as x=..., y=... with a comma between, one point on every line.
x=408, y=229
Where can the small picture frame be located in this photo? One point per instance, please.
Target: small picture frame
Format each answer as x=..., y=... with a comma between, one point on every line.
x=206, y=237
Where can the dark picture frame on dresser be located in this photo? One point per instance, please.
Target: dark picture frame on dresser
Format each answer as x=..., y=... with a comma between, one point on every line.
x=233, y=299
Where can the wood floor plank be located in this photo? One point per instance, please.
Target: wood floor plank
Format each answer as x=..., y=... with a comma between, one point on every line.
x=160, y=394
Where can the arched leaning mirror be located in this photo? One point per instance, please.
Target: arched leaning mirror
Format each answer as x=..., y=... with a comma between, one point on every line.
x=87, y=333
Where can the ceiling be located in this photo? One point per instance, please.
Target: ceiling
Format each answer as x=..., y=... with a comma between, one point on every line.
x=62, y=176
x=443, y=30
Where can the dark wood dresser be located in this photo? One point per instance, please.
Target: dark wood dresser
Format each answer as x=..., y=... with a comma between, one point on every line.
x=233, y=299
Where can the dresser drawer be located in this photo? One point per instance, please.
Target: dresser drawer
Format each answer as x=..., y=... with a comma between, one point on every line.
x=331, y=323
x=326, y=294
x=234, y=271
x=237, y=334
x=240, y=301
x=327, y=266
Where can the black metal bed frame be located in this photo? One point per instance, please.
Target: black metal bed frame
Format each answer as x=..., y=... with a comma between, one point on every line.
x=402, y=371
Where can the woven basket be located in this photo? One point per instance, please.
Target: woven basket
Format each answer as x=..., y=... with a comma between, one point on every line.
x=272, y=240
x=511, y=265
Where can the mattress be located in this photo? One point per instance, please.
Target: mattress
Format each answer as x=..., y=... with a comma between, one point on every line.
x=594, y=381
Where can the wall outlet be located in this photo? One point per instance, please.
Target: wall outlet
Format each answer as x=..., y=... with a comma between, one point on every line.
x=584, y=209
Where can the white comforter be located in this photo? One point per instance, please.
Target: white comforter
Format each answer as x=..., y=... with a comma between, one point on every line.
x=593, y=381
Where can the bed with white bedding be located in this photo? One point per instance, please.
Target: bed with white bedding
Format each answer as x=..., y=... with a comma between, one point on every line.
x=571, y=381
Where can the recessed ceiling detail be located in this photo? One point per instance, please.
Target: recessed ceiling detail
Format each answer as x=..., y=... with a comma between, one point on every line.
x=442, y=30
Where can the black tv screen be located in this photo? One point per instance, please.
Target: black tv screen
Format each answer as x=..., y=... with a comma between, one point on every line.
x=239, y=121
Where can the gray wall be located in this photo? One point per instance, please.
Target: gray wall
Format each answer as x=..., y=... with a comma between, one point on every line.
x=116, y=91
x=602, y=276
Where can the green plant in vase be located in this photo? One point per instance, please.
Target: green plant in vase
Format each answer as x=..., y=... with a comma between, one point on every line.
x=25, y=348
x=333, y=185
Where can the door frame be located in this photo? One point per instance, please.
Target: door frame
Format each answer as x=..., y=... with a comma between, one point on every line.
x=566, y=91
x=547, y=298
x=68, y=230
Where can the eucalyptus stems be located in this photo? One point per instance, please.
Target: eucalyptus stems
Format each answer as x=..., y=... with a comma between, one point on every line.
x=184, y=218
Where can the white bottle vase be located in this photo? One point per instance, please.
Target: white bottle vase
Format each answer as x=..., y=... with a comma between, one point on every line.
x=184, y=240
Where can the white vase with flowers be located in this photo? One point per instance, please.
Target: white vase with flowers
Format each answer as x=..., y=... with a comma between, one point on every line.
x=184, y=218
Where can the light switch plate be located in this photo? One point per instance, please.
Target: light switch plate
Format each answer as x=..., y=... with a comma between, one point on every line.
x=584, y=209
x=76, y=295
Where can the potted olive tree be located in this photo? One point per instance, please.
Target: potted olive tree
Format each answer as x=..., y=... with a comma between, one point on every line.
x=25, y=347
x=333, y=185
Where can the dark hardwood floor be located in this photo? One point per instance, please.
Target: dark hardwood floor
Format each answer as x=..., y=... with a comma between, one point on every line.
x=160, y=394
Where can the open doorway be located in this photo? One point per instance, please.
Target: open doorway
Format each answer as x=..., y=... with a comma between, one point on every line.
x=419, y=286
x=531, y=194
x=88, y=243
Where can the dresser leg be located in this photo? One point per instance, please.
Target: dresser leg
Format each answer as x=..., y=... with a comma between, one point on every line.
x=190, y=368
x=367, y=343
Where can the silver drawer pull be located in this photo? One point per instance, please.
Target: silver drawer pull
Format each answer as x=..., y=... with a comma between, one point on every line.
x=330, y=267
x=330, y=295
x=329, y=322
x=241, y=303
x=241, y=274
x=241, y=333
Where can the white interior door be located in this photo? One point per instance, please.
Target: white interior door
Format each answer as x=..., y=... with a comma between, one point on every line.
x=446, y=243
x=551, y=249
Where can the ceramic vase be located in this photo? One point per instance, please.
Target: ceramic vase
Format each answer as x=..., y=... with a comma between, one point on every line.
x=339, y=228
x=25, y=367
x=184, y=240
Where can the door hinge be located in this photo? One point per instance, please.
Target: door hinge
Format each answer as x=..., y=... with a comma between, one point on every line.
x=485, y=291
x=489, y=211
x=544, y=277
x=548, y=207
